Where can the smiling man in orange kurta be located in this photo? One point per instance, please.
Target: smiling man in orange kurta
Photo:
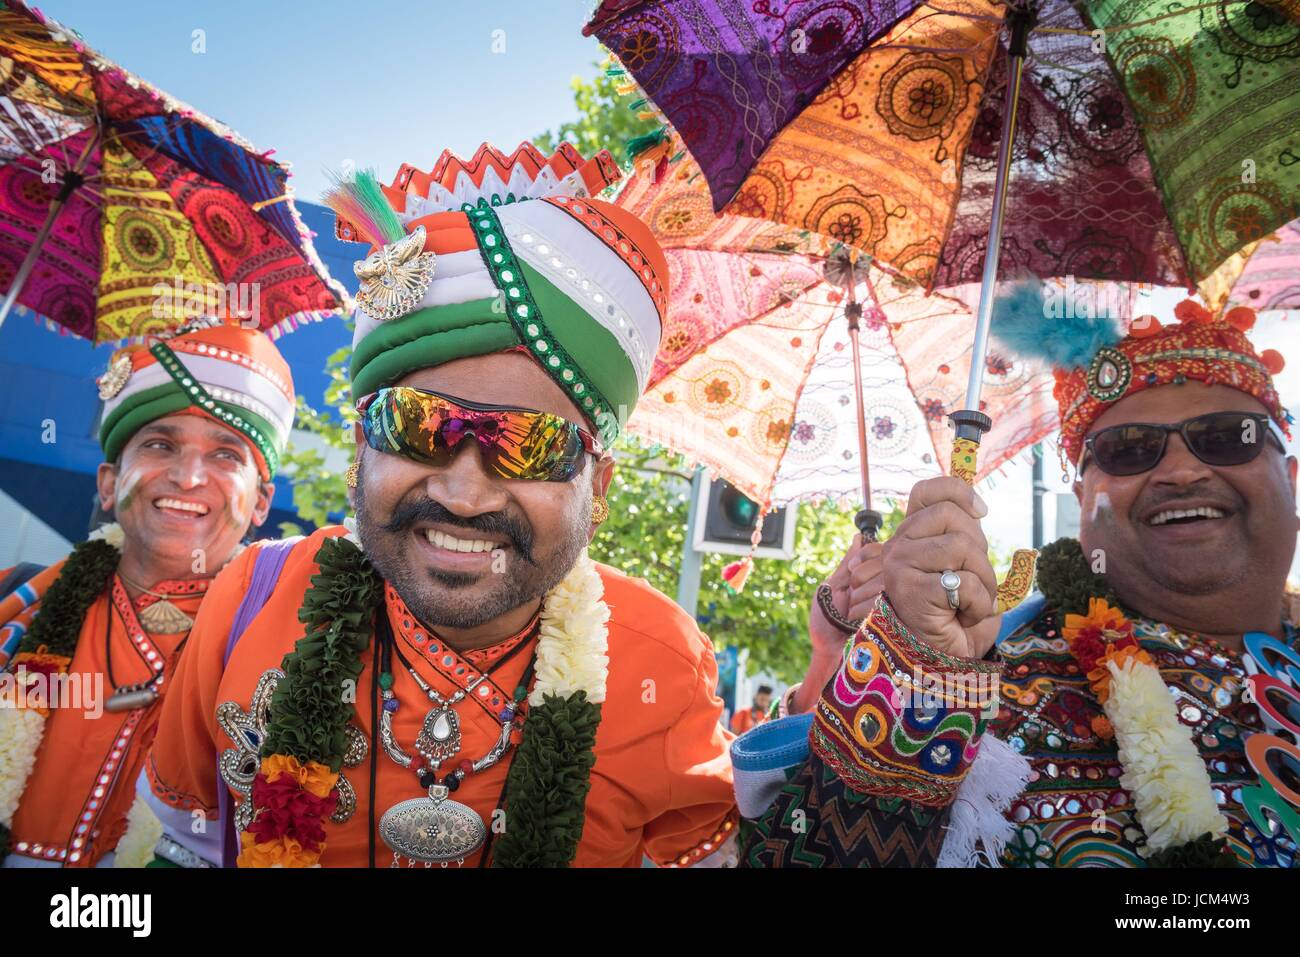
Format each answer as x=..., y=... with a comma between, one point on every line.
x=457, y=682
x=661, y=782
x=192, y=429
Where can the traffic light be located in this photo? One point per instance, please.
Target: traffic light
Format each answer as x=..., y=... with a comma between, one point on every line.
x=725, y=520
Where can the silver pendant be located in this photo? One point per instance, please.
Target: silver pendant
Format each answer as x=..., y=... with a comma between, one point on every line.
x=432, y=830
x=439, y=737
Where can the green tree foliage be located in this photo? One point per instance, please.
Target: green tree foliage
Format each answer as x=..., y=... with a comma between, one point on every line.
x=645, y=535
x=605, y=120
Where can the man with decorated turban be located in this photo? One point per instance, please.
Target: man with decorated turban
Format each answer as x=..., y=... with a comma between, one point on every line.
x=1148, y=710
x=192, y=430
x=450, y=679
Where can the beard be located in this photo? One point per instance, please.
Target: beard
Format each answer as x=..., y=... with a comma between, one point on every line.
x=520, y=575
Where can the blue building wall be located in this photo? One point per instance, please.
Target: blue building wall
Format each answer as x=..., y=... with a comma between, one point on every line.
x=49, y=379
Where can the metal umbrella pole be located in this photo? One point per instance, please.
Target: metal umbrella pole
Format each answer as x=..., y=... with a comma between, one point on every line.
x=970, y=423
x=868, y=519
x=842, y=270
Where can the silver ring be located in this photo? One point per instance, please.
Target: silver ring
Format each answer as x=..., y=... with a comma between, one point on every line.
x=950, y=581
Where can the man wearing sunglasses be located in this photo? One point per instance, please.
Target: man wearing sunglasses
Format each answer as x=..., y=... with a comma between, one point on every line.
x=1148, y=706
x=455, y=682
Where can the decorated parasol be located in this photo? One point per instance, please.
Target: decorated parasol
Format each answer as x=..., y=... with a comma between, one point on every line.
x=756, y=378
x=1148, y=143
x=124, y=211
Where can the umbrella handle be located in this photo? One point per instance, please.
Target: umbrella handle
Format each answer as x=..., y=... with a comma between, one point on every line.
x=869, y=521
x=970, y=425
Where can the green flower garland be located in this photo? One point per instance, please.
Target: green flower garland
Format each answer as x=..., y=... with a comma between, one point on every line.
x=309, y=712
x=550, y=776
x=548, y=784
x=1067, y=581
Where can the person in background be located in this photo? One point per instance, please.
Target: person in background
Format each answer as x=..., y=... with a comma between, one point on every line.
x=193, y=428
x=742, y=721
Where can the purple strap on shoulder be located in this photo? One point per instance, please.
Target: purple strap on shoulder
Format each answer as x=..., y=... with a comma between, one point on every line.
x=266, y=572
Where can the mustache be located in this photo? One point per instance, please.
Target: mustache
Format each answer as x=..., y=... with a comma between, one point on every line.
x=518, y=531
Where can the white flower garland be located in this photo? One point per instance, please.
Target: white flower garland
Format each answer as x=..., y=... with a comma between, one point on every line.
x=1162, y=768
x=571, y=651
x=21, y=730
x=143, y=829
x=111, y=533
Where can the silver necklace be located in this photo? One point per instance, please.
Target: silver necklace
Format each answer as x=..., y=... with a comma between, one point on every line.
x=435, y=829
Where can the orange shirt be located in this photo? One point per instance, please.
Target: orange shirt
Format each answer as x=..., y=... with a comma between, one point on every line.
x=742, y=721
x=661, y=784
x=73, y=809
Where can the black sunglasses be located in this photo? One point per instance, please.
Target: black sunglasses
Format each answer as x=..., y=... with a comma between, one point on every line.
x=1217, y=438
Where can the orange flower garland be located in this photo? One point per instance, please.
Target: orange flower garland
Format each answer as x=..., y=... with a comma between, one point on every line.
x=1102, y=635
x=293, y=800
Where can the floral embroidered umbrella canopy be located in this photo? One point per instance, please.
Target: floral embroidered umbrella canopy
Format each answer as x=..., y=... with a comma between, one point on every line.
x=1264, y=276
x=1146, y=142
x=753, y=376
x=124, y=211
x=1154, y=141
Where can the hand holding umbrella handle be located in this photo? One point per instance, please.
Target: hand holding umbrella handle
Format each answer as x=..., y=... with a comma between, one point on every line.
x=970, y=426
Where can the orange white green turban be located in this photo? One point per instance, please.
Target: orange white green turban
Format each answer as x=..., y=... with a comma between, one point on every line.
x=230, y=374
x=1097, y=360
x=501, y=252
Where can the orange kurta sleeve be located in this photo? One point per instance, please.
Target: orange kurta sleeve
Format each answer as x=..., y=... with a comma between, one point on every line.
x=182, y=767
x=701, y=810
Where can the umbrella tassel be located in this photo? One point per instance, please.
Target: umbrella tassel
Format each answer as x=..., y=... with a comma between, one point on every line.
x=736, y=574
x=639, y=145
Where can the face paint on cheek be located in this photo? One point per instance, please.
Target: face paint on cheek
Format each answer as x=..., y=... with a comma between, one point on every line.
x=236, y=510
x=128, y=490
x=1101, y=509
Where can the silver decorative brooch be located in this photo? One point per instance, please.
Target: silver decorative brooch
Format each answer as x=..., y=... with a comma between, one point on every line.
x=395, y=277
x=247, y=729
x=115, y=377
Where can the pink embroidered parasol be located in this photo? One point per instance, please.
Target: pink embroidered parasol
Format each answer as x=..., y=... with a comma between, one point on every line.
x=754, y=376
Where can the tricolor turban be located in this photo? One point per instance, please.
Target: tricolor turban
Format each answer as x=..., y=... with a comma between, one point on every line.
x=232, y=375
x=505, y=252
x=1097, y=360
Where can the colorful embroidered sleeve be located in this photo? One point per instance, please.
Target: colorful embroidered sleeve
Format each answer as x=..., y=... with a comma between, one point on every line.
x=702, y=814
x=900, y=718
x=893, y=735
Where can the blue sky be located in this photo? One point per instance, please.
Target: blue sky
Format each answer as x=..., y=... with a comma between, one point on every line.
x=375, y=82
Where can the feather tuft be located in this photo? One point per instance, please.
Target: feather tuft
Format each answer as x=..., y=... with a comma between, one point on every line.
x=1034, y=322
x=361, y=202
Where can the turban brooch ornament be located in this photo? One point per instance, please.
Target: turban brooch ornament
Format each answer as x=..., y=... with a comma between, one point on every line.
x=395, y=277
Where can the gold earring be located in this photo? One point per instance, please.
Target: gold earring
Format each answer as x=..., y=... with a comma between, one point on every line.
x=350, y=476
x=599, y=510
